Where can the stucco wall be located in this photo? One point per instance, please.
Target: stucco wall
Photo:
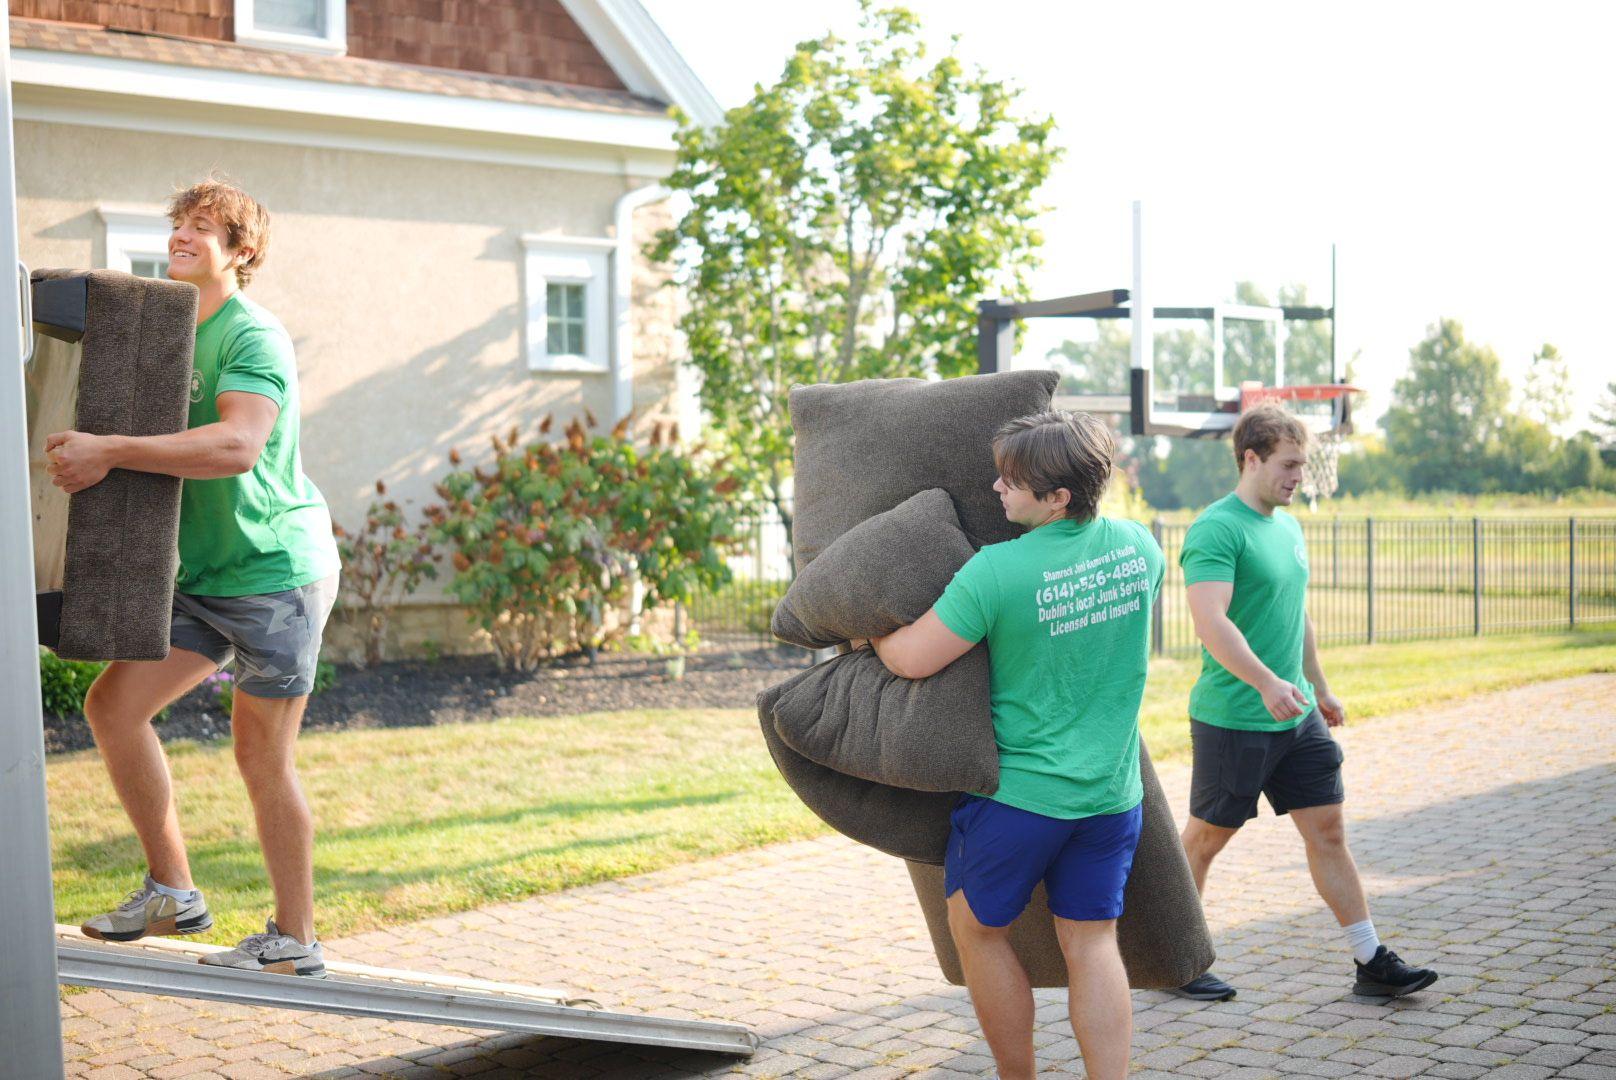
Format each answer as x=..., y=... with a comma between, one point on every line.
x=400, y=279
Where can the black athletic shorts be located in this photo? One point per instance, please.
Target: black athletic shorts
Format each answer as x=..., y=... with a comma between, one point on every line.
x=1295, y=769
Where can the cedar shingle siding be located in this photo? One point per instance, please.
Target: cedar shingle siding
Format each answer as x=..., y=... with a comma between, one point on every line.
x=185, y=18
x=533, y=39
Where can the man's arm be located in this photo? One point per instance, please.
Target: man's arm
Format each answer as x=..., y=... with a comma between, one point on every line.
x=1335, y=713
x=1209, y=606
x=922, y=648
x=76, y=460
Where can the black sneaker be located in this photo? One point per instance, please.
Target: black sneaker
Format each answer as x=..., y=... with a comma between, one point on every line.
x=1387, y=976
x=1206, y=987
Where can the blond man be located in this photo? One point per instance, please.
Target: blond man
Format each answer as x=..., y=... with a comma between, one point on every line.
x=257, y=579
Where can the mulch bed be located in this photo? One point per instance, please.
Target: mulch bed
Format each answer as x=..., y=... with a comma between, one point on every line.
x=462, y=689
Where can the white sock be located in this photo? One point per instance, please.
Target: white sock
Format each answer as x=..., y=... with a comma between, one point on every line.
x=168, y=890
x=1362, y=940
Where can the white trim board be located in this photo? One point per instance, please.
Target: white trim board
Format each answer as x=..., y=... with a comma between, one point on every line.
x=58, y=106
x=227, y=93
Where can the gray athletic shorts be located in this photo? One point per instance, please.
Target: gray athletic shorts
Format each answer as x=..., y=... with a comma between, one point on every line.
x=273, y=637
x=1295, y=769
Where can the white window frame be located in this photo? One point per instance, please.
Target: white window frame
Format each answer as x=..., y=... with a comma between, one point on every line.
x=333, y=43
x=567, y=260
x=132, y=232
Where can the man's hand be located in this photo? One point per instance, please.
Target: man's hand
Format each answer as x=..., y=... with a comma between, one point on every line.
x=1284, y=701
x=1335, y=713
x=76, y=461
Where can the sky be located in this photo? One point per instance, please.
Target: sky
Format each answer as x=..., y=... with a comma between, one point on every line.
x=1458, y=155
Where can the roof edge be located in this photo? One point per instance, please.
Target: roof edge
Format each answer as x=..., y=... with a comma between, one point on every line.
x=642, y=56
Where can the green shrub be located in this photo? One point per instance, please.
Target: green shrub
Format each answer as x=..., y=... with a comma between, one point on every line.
x=382, y=562
x=551, y=537
x=325, y=676
x=222, y=685
x=63, y=683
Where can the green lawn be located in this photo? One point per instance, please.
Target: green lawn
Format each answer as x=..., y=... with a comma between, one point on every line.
x=428, y=821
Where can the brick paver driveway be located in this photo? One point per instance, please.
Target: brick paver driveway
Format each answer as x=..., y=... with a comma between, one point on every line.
x=1486, y=832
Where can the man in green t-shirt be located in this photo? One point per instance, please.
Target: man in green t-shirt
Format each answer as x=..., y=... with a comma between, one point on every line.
x=1261, y=710
x=1065, y=611
x=257, y=578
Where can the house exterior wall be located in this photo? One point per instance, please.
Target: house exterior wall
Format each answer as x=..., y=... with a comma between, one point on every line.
x=399, y=279
x=533, y=39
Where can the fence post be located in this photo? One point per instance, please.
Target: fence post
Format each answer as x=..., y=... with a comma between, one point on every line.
x=1369, y=578
x=1335, y=552
x=1571, y=564
x=1157, y=621
x=1475, y=572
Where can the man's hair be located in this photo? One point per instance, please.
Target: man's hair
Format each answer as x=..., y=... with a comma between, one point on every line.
x=245, y=222
x=1262, y=429
x=1050, y=450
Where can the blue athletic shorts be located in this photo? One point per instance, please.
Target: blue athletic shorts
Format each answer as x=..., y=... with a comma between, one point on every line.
x=999, y=853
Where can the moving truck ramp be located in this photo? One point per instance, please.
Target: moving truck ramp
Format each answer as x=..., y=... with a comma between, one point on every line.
x=170, y=968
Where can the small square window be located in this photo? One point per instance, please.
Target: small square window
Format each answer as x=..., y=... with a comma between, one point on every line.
x=319, y=26
x=564, y=312
x=151, y=266
x=565, y=289
x=290, y=16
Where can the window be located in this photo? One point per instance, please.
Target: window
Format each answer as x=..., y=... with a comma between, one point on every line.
x=564, y=310
x=566, y=289
x=304, y=25
x=136, y=240
x=152, y=266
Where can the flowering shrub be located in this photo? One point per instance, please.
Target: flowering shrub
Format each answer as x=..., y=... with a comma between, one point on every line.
x=550, y=536
x=382, y=562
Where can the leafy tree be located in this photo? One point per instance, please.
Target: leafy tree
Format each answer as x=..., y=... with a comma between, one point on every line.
x=1446, y=412
x=1579, y=464
x=844, y=223
x=1523, y=458
x=1367, y=466
x=1604, y=415
x=1548, y=388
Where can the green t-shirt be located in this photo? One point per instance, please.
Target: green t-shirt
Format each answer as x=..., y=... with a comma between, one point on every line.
x=1265, y=557
x=1066, y=612
x=267, y=530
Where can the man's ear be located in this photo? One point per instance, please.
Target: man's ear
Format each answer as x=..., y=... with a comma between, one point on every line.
x=1062, y=497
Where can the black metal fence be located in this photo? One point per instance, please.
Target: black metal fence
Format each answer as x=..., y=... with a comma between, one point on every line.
x=1372, y=580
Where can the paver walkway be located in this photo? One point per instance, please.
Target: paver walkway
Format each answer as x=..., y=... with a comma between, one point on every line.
x=1486, y=832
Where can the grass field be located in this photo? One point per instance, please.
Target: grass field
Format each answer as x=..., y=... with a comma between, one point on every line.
x=426, y=821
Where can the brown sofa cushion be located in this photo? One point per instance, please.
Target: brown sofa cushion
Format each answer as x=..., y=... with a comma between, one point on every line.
x=879, y=575
x=853, y=715
x=912, y=825
x=862, y=448
x=122, y=535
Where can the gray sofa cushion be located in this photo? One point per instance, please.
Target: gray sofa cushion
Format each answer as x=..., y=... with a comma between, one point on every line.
x=862, y=448
x=123, y=534
x=1162, y=933
x=912, y=825
x=881, y=574
x=853, y=715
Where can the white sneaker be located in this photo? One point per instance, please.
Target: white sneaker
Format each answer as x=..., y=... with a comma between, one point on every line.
x=149, y=913
x=274, y=952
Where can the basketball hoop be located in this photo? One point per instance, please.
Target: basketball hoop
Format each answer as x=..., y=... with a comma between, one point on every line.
x=1321, y=474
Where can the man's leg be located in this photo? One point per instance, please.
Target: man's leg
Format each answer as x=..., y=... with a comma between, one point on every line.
x=265, y=732
x=1335, y=874
x=1000, y=992
x=1102, y=1011
x=120, y=707
x=1202, y=843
